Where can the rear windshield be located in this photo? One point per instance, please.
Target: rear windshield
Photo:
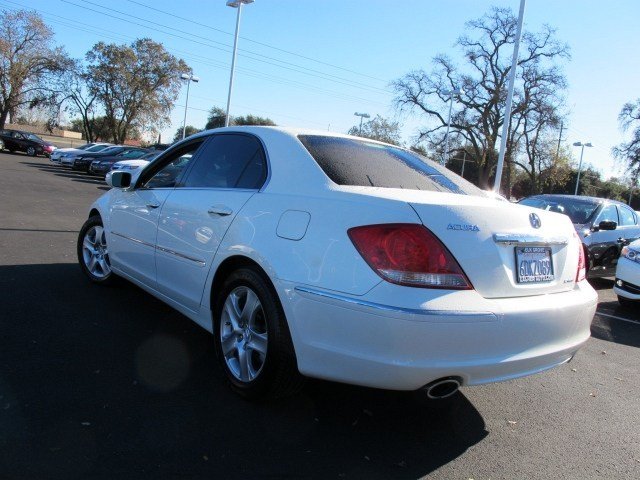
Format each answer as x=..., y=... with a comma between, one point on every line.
x=348, y=161
x=578, y=210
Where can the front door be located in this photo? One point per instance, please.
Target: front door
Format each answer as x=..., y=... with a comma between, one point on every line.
x=134, y=214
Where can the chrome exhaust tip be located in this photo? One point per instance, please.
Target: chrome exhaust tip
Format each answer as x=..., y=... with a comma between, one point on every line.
x=442, y=388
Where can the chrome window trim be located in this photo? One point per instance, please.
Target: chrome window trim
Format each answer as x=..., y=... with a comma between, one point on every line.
x=527, y=239
x=489, y=317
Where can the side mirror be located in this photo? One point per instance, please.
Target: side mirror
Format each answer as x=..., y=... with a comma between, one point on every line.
x=607, y=225
x=120, y=179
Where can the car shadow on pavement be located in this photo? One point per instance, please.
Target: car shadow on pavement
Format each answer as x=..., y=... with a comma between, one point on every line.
x=615, y=330
x=109, y=382
x=76, y=176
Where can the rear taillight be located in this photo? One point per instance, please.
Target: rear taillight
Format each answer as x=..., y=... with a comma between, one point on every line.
x=581, y=274
x=408, y=254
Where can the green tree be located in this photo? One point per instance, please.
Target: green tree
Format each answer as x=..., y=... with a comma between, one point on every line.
x=253, y=120
x=629, y=152
x=99, y=127
x=216, y=118
x=479, y=110
x=379, y=128
x=28, y=59
x=136, y=85
x=188, y=131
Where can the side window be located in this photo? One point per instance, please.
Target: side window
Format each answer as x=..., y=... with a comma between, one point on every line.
x=168, y=171
x=627, y=217
x=17, y=135
x=609, y=214
x=229, y=161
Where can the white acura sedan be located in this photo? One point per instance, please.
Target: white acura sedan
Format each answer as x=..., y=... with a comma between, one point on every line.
x=313, y=254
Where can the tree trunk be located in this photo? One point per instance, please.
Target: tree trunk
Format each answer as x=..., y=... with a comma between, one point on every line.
x=3, y=116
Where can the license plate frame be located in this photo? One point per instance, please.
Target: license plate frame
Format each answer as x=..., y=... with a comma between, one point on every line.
x=531, y=267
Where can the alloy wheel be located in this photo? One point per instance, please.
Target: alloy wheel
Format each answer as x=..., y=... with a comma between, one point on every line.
x=95, y=253
x=243, y=334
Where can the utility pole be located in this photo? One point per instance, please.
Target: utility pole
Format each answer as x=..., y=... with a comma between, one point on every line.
x=361, y=115
x=559, y=140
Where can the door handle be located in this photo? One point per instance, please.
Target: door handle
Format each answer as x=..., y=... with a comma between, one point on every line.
x=153, y=205
x=221, y=210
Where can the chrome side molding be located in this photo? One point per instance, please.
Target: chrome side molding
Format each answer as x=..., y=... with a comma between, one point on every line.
x=527, y=239
x=447, y=315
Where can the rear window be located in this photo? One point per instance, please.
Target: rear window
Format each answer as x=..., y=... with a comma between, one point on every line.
x=347, y=161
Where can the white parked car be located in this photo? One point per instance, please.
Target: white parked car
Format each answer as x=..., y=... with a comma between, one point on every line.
x=69, y=152
x=131, y=166
x=627, y=284
x=322, y=255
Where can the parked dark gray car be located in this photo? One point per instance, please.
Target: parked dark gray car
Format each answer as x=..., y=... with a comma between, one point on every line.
x=604, y=225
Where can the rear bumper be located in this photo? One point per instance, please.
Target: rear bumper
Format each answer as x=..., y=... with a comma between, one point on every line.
x=355, y=340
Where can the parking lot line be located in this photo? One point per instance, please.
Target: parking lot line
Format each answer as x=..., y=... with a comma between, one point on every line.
x=618, y=318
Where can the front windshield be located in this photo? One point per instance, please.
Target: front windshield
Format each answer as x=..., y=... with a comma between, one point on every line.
x=31, y=136
x=578, y=210
x=113, y=150
x=97, y=148
x=132, y=154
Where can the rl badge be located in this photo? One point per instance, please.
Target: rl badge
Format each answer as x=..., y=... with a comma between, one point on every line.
x=533, y=264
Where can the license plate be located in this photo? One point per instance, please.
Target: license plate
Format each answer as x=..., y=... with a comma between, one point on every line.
x=533, y=264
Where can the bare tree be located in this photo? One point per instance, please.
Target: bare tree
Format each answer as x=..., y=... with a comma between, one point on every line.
x=478, y=112
x=629, y=152
x=536, y=116
x=28, y=58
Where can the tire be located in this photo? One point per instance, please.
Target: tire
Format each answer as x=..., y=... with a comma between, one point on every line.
x=31, y=151
x=93, y=254
x=252, y=339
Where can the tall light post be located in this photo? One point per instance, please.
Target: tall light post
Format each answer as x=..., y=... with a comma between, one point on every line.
x=235, y=4
x=580, y=144
x=449, y=93
x=507, y=107
x=464, y=160
x=189, y=77
x=361, y=115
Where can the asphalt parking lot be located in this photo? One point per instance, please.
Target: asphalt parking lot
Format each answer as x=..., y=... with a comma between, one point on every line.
x=102, y=382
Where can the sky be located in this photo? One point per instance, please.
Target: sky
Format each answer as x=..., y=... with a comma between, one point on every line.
x=313, y=63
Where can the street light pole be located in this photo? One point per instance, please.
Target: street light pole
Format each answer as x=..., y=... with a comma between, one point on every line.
x=580, y=144
x=464, y=160
x=361, y=115
x=507, y=108
x=189, y=78
x=235, y=4
x=451, y=93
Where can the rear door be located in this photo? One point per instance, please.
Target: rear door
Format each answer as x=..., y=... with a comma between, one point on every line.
x=228, y=170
